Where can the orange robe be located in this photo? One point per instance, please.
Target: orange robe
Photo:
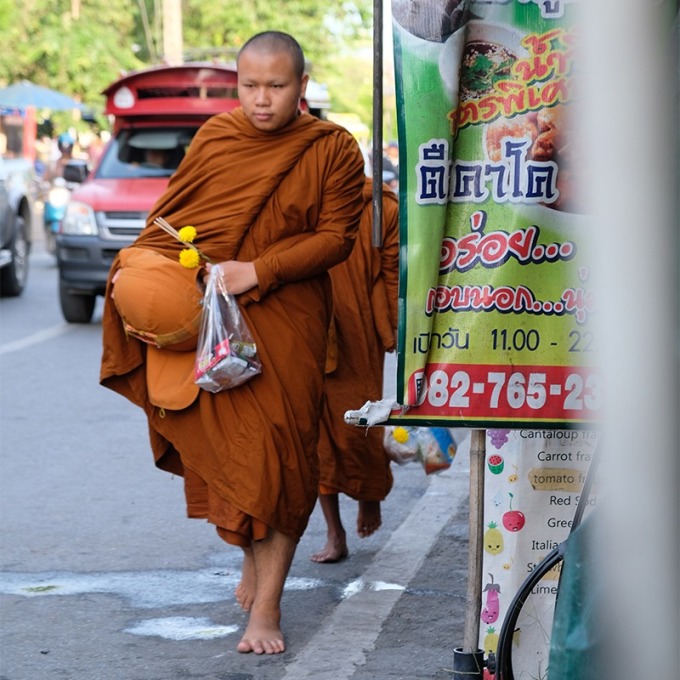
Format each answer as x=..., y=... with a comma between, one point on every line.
x=365, y=289
x=289, y=201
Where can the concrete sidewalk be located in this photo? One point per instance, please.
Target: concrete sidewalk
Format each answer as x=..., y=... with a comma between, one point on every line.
x=403, y=632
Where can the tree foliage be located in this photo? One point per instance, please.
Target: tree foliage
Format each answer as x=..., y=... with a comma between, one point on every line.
x=323, y=29
x=80, y=46
x=75, y=46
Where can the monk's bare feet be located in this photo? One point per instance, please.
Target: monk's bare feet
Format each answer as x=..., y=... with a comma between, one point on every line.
x=335, y=550
x=245, y=590
x=368, y=518
x=263, y=635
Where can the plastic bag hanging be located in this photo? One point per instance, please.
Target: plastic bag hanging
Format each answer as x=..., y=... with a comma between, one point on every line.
x=226, y=355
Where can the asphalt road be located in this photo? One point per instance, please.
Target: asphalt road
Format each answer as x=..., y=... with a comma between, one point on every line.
x=103, y=578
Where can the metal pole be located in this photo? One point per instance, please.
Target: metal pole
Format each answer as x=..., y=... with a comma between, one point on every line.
x=468, y=660
x=377, y=159
x=475, y=556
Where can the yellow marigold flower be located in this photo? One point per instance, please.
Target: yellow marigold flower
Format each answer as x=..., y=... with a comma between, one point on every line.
x=400, y=434
x=187, y=234
x=189, y=258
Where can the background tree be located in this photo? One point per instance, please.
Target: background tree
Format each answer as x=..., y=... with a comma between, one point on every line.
x=331, y=34
x=74, y=46
x=80, y=46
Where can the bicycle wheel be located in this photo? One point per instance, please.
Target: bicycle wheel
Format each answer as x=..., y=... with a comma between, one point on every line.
x=525, y=632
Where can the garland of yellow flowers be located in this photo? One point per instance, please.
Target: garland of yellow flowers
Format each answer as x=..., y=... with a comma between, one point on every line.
x=188, y=257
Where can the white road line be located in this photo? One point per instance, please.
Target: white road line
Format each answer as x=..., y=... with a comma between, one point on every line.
x=35, y=339
x=349, y=634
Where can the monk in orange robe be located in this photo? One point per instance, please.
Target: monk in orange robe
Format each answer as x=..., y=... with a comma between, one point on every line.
x=275, y=197
x=353, y=460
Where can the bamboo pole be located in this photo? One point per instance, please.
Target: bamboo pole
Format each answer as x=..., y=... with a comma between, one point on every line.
x=475, y=546
x=376, y=160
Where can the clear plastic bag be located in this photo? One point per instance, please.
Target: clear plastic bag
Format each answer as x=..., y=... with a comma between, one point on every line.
x=226, y=355
x=433, y=447
x=400, y=444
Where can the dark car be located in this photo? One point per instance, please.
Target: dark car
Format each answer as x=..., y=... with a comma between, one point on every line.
x=16, y=220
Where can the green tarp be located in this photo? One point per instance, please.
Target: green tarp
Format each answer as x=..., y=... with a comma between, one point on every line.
x=575, y=642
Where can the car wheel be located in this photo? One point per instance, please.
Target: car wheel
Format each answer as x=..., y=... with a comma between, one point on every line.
x=13, y=276
x=76, y=308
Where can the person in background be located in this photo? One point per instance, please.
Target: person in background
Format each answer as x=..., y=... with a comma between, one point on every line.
x=43, y=147
x=95, y=149
x=158, y=158
x=353, y=460
x=276, y=197
x=391, y=180
x=392, y=155
x=65, y=144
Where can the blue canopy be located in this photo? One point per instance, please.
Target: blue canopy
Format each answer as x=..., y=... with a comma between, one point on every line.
x=23, y=94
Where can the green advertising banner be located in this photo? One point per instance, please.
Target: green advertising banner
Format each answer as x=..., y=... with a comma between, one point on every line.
x=495, y=298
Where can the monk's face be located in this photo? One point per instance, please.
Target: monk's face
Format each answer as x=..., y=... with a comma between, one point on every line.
x=269, y=89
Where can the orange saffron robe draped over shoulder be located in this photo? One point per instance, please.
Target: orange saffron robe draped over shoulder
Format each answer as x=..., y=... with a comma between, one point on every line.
x=289, y=201
x=365, y=290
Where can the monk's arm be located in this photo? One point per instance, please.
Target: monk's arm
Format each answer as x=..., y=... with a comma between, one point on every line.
x=332, y=240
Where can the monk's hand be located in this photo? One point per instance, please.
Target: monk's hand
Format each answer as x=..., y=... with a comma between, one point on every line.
x=238, y=276
x=113, y=280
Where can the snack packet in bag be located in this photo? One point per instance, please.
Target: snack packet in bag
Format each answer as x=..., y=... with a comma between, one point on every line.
x=226, y=355
x=436, y=449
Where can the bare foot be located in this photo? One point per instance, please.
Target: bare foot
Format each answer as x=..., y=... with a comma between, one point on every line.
x=335, y=550
x=263, y=636
x=245, y=590
x=368, y=518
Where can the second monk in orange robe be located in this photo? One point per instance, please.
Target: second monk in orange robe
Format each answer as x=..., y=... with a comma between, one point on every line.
x=353, y=460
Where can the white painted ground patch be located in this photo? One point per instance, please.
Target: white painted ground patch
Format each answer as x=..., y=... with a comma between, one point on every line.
x=358, y=585
x=146, y=590
x=181, y=628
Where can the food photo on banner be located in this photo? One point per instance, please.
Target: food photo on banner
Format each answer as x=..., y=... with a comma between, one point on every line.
x=496, y=299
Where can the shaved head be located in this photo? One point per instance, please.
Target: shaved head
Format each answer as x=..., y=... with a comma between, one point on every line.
x=275, y=42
